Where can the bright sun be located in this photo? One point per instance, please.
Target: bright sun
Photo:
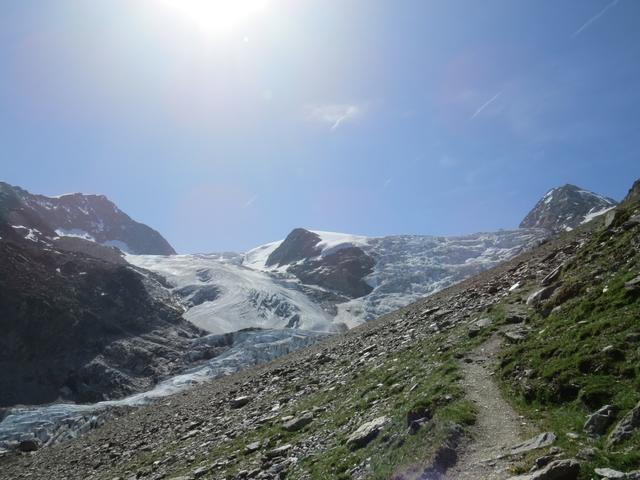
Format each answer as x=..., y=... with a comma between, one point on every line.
x=217, y=16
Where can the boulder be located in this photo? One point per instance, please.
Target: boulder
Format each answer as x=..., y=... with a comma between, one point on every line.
x=598, y=422
x=240, y=402
x=201, y=471
x=626, y=427
x=609, y=217
x=632, y=222
x=418, y=417
x=297, y=423
x=366, y=432
x=279, y=452
x=515, y=315
x=552, y=277
x=515, y=336
x=540, y=295
x=540, y=441
x=252, y=447
x=633, y=284
x=29, y=445
x=483, y=322
x=610, y=473
x=558, y=470
x=477, y=326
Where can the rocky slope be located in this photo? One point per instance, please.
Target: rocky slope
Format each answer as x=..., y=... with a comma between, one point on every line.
x=77, y=216
x=81, y=328
x=78, y=323
x=565, y=208
x=393, y=398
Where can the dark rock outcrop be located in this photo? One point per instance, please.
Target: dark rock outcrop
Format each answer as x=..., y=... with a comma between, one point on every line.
x=300, y=244
x=634, y=193
x=82, y=328
x=340, y=270
x=626, y=427
x=557, y=470
x=598, y=422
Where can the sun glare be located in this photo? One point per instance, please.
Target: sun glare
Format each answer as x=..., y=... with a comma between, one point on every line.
x=217, y=16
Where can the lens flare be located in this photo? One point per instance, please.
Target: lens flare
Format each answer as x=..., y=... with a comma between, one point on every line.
x=217, y=16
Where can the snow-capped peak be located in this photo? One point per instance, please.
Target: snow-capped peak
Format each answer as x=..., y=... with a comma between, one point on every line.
x=564, y=208
x=332, y=241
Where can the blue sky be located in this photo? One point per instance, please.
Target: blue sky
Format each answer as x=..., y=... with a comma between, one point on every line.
x=226, y=128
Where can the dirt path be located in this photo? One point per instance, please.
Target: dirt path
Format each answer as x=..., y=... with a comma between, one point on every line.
x=498, y=426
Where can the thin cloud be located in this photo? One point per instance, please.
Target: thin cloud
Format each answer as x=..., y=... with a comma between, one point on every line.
x=334, y=115
x=386, y=183
x=251, y=201
x=485, y=105
x=593, y=19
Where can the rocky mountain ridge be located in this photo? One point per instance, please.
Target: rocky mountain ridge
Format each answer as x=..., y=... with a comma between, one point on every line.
x=565, y=208
x=78, y=216
x=78, y=322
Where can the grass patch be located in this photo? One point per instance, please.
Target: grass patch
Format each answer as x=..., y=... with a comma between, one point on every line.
x=580, y=354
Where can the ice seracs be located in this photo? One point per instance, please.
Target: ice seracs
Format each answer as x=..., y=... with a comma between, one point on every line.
x=242, y=297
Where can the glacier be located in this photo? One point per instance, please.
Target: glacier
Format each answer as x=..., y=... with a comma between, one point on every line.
x=248, y=293
x=51, y=424
x=244, y=297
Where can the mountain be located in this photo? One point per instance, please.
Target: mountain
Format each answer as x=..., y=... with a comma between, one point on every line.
x=82, y=328
x=380, y=274
x=565, y=208
x=78, y=322
x=77, y=216
x=525, y=371
x=332, y=281
x=142, y=313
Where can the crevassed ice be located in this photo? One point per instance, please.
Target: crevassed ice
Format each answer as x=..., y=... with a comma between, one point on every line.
x=249, y=348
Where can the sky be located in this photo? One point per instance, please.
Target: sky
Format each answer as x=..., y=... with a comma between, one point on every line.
x=224, y=124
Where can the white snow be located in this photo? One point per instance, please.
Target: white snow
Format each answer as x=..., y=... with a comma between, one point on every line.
x=332, y=241
x=248, y=298
x=64, y=195
x=595, y=195
x=410, y=267
x=120, y=245
x=591, y=215
x=75, y=232
x=257, y=258
x=32, y=233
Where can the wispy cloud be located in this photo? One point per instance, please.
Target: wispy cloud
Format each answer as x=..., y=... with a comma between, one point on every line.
x=251, y=201
x=595, y=18
x=485, y=105
x=386, y=183
x=334, y=115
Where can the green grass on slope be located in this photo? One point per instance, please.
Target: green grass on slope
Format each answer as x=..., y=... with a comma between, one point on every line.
x=583, y=350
